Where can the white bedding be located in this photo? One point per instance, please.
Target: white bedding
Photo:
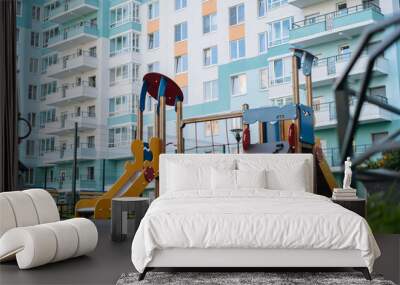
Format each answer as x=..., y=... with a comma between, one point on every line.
x=251, y=218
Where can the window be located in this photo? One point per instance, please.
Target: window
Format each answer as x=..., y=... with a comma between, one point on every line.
x=93, y=51
x=278, y=32
x=92, y=81
x=341, y=8
x=32, y=92
x=30, y=148
x=153, y=9
x=48, y=61
x=90, y=141
x=377, y=137
x=237, y=48
x=153, y=67
x=209, y=23
x=90, y=173
x=119, y=105
x=91, y=111
x=153, y=40
x=29, y=176
x=34, y=65
x=181, y=32
x=236, y=14
x=344, y=52
x=124, y=43
x=120, y=136
x=35, y=13
x=210, y=56
x=280, y=71
x=238, y=84
x=210, y=90
x=311, y=19
x=51, y=33
x=47, y=145
x=211, y=128
x=263, y=78
x=123, y=14
x=124, y=72
x=181, y=63
x=19, y=7
x=180, y=4
x=265, y=5
x=32, y=119
x=282, y=101
x=378, y=93
x=35, y=39
x=262, y=42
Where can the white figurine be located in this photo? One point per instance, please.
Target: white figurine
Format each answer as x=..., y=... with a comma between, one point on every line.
x=347, y=174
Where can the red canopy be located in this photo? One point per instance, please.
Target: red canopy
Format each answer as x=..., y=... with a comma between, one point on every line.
x=172, y=89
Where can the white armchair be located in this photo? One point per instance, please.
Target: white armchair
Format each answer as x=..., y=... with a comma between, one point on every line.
x=31, y=230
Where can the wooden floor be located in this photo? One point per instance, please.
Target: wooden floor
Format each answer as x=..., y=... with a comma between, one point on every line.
x=111, y=259
x=103, y=266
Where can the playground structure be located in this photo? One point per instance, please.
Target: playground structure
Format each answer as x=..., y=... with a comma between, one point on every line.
x=144, y=169
x=286, y=129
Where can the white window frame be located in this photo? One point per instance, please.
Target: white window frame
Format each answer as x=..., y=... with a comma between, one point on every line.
x=265, y=44
x=153, y=10
x=213, y=25
x=238, y=76
x=213, y=56
x=129, y=13
x=129, y=43
x=180, y=4
x=274, y=40
x=261, y=85
x=237, y=20
x=155, y=40
x=181, y=63
x=153, y=66
x=237, y=44
x=212, y=87
x=286, y=75
x=124, y=72
x=182, y=36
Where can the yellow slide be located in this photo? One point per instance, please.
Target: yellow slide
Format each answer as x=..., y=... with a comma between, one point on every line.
x=326, y=181
x=136, y=176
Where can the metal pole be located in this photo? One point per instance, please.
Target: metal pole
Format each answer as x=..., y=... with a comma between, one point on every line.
x=179, y=135
x=45, y=178
x=139, y=133
x=74, y=165
x=104, y=175
x=295, y=80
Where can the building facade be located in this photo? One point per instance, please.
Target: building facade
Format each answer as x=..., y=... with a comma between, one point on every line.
x=80, y=62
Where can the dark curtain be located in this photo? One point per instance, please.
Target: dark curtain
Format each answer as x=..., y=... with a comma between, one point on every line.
x=8, y=98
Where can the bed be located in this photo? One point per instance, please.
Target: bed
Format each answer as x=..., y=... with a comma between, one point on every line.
x=247, y=210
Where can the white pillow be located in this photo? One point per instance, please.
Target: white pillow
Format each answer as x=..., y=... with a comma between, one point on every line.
x=190, y=176
x=251, y=178
x=278, y=179
x=223, y=179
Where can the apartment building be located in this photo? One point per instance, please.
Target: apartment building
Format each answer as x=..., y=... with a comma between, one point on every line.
x=81, y=61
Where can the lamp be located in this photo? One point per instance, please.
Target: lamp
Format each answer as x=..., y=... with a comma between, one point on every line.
x=237, y=133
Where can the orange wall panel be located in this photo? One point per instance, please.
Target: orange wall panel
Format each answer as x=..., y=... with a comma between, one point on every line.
x=236, y=32
x=181, y=48
x=209, y=7
x=182, y=79
x=153, y=26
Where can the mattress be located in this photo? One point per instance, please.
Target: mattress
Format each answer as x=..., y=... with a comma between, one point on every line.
x=250, y=219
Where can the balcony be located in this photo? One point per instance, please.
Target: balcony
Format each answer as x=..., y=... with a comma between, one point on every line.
x=70, y=10
x=72, y=64
x=332, y=155
x=304, y=3
x=84, y=152
x=325, y=114
x=73, y=36
x=333, y=26
x=119, y=151
x=66, y=124
x=72, y=93
x=326, y=70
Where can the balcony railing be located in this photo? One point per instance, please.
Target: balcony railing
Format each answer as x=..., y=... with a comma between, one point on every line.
x=68, y=6
x=328, y=17
x=332, y=155
x=70, y=32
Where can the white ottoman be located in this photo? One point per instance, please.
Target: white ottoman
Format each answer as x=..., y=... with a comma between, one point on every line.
x=31, y=232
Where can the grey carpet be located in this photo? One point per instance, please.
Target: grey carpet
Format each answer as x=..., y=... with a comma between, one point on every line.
x=230, y=278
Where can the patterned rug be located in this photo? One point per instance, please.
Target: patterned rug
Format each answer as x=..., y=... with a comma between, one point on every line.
x=243, y=278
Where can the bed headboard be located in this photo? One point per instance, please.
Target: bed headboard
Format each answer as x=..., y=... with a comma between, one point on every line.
x=210, y=159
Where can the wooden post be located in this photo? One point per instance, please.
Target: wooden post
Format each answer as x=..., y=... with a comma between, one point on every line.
x=156, y=123
x=309, y=90
x=179, y=130
x=139, y=133
x=261, y=132
x=295, y=80
x=162, y=126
